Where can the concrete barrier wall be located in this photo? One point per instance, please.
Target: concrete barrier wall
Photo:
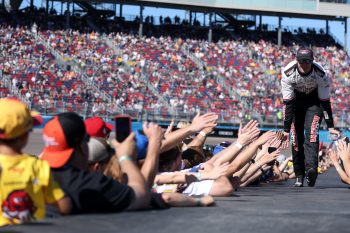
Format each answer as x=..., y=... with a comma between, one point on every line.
x=220, y=131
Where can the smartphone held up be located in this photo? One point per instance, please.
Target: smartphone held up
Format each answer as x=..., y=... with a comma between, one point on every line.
x=122, y=127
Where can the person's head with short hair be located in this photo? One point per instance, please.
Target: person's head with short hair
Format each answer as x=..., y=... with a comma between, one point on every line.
x=16, y=121
x=100, y=153
x=170, y=160
x=65, y=141
x=192, y=157
x=304, y=57
x=97, y=127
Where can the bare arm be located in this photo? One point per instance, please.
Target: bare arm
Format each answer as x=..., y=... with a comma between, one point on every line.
x=149, y=168
x=344, y=152
x=252, y=178
x=343, y=176
x=198, y=123
x=199, y=140
x=241, y=173
x=245, y=136
x=124, y=152
x=285, y=163
x=267, y=158
x=189, y=177
x=64, y=206
x=248, y=153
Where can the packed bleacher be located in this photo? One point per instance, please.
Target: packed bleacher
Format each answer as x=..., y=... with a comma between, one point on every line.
x=235, y=78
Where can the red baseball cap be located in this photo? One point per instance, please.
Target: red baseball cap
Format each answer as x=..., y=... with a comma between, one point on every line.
x=97, y=127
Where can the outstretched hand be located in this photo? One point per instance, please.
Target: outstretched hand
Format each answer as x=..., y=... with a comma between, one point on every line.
x=284, y=138
x=170, y=127
x=333, y=156
x=334, y=133
x=127, y=147
x=248, y=133
x=344, y=149
x=265, y=137
x=218, y=170
x=200, y=122
x=269, y=157
x=153, y=132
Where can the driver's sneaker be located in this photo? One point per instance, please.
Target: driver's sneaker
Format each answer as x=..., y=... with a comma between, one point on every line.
x=311, y=176
x=299, y=182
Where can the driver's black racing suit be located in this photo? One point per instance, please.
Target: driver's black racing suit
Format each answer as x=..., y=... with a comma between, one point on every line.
x=306, y=100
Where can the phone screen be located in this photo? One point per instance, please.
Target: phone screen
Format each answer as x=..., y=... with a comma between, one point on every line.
x=271, y=149
x=122, y=127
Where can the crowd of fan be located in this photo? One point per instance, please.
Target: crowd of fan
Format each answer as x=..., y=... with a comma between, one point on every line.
x=230, y=77
x=35, y=75
x=81, y=170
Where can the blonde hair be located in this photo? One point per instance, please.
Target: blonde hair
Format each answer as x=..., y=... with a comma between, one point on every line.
x=113, y=169
x=182, y=124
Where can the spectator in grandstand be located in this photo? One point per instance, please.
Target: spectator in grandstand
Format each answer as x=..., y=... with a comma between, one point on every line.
x=306, y=95
x=66, y=151
x=26, y=182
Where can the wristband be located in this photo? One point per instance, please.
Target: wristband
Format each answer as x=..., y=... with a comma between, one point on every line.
x=238, y=145
x=198, y=175
x=203, y=133
x=124, y=158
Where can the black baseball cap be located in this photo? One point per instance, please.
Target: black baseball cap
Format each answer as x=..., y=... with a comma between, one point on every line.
x=305, y=54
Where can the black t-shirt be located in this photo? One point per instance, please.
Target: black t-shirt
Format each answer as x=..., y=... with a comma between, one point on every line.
x=93, y=192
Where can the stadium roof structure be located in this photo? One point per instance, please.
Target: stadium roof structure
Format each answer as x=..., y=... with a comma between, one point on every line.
x=313, y=9
x=333, y=10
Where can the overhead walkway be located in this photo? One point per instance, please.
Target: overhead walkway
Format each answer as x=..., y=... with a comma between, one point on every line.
x=234, y=22
x=91, y=10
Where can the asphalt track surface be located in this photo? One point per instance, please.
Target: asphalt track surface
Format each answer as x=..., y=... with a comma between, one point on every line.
x=265, y=208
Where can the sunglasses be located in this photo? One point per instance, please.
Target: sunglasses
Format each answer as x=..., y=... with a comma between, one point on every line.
x=304, y=61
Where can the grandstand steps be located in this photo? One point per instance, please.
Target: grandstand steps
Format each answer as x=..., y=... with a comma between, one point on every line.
x=222, y=80
x=145, y=77
x=9, y=90
x=74, y=65
x=57, y=56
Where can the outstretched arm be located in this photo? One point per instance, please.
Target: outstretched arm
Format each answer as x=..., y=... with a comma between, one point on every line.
x=189, y=177
x=245, y=135
x=343, y=176
x=248, y=153
x=198, y=123
x=344, y=152
x=125, y=152
x=149, y=168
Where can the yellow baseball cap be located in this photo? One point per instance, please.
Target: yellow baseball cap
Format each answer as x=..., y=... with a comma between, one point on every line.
x=15, y=118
